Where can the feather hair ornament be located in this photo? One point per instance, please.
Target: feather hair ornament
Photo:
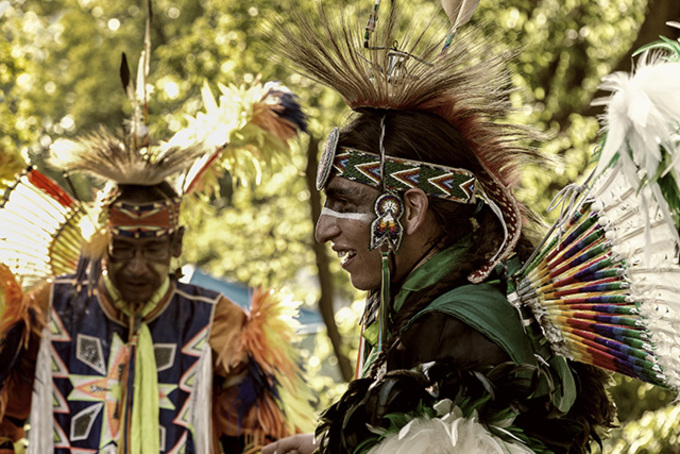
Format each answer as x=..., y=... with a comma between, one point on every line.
x=604, y=284
x=470, y=93
x=249, y=124
x=459, y=12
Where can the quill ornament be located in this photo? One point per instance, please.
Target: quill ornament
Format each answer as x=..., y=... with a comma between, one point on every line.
x=459, y=11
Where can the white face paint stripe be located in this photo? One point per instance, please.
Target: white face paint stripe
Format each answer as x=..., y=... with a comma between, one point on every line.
x=363, y=217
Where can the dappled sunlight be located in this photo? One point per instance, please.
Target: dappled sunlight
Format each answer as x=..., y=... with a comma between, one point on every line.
x=59, y=77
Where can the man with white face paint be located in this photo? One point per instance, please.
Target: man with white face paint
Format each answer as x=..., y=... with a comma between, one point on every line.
x=420, y=209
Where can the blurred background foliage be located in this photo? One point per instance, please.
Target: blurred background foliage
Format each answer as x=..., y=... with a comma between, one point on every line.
x=59, y=63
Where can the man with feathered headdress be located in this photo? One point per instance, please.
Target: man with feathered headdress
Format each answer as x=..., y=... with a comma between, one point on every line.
x=117, y=355
x=420, y=207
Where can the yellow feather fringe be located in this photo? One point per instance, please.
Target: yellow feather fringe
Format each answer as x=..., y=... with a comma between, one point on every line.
x=13, y=307
x=270, y=337
x=11, y=164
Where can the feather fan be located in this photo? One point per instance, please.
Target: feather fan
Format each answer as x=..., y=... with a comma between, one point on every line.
x=40, y=232
x=604, y=286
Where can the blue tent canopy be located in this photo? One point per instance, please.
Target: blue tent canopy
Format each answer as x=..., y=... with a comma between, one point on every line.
x=310, y=320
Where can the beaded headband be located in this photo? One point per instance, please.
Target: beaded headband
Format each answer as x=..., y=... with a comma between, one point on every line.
x=449, y=183
x=146, y=220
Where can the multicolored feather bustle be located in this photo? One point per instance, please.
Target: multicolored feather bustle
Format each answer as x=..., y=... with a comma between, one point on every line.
x=604, y=285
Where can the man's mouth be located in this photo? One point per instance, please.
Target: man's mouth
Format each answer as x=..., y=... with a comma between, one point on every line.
x=346, y=255
x=136, y=284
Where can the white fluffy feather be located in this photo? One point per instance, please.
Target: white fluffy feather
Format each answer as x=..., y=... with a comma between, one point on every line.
x=449, y=433
x=643, y=110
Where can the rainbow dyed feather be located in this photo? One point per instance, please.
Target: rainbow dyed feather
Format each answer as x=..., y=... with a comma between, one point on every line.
x=605, y=285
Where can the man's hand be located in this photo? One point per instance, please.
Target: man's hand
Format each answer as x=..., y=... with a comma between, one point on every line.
x=297, y=444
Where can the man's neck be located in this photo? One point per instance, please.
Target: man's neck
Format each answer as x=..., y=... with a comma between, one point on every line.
x=134, y=309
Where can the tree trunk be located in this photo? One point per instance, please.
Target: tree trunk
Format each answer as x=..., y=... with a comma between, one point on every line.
x=325, y=282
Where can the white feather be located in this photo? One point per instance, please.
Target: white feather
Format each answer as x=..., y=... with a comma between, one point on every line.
x=459, y=11
x=201, y=411
x=40, y=437
x=644, y=110
x=448, y=433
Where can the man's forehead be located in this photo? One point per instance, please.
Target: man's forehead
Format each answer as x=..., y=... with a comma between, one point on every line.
x=342, y=187
x=145, y=194
x=121, y=239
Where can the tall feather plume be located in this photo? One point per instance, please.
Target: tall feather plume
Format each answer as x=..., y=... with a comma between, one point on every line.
x=132, y=159
x=128, y=86
x=142, y=76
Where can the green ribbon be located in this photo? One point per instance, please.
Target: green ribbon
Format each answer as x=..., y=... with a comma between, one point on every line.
x=145, y=431
x=144, y=428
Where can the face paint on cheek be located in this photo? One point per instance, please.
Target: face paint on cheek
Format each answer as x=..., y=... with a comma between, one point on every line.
x=114, y=267
x=362, y=217
x=160, y=268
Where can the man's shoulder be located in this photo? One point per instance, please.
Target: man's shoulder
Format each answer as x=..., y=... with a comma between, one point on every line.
x=195, y=292
x=486, y=293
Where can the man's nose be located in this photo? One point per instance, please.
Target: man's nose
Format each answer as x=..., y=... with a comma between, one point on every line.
x=137, y=264
x=326, y=228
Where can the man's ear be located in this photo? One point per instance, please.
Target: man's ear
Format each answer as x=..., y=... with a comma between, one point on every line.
x=176, y=246
x=415, y=204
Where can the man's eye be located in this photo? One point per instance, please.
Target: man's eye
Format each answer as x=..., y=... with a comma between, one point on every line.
x=342, y=205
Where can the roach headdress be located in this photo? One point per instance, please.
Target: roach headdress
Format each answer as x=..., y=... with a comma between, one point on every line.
x=432, y=68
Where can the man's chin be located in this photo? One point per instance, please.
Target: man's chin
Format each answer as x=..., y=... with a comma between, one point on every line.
x=361, y=284
x=136, y=295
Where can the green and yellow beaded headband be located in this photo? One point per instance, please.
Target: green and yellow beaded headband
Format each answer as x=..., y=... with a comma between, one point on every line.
x=449, y=183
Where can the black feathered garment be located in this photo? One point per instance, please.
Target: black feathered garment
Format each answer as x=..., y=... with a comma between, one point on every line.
x=471, y=346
